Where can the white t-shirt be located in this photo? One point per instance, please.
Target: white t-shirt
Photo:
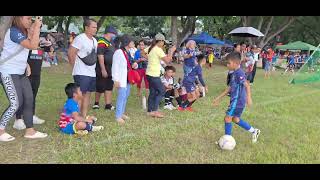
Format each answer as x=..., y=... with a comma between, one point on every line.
x=85, y=46
x=166, y=81
x=256, y=57
x=17, y=64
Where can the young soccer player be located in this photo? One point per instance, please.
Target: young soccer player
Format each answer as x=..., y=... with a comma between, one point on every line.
x=240, y=93
x=168, y=83
x=189, y=81
x=71, y=121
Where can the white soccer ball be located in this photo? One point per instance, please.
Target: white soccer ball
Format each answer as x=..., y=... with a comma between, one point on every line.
x=227, y=142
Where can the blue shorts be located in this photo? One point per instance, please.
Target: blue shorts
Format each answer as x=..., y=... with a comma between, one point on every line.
x=267, y=66
x=86, y=83
x=190, y=87
x=69, y=129
x=235, y=112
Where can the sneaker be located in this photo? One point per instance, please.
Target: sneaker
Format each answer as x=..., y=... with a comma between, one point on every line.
x=180, y=108
x=82, y=132
x=37, y=120
x=36, y=135
x=56, y=64
x=97, y=128
x=19, y=124
x=172, y=107
x=112, y=108
x=168, y=107
x=5, y=137
x=255, y=135
x=96, y=106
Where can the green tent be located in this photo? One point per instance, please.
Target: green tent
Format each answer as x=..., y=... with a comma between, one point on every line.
x=298, y=45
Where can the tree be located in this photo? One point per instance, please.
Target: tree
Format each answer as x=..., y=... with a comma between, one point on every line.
x=5, y=23
x=270, y=26
x=182, y=27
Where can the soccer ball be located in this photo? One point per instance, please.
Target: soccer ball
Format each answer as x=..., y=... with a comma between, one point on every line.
x=227, y=142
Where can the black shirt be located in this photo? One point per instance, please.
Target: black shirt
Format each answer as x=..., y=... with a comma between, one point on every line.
x=107, y=49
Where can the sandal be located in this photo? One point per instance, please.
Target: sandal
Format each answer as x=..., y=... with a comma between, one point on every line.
x=36, y=135
x=5, y=137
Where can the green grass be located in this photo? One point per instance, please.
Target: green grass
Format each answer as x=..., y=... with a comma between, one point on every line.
x=286, y=114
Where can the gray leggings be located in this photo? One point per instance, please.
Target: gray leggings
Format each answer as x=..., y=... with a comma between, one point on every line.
x=19, y=93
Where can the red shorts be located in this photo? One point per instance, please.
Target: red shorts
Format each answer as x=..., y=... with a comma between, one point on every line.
x=142, y=73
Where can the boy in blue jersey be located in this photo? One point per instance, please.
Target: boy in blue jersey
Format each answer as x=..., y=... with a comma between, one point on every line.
x=189, y=82
x=71, y=121
x=240, y=95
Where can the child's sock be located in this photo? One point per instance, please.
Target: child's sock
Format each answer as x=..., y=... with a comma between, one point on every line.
x=228, y=128
x=245, y=126
x=179, y=100
x=185, y=104
x=190, y=104
x=88, y=127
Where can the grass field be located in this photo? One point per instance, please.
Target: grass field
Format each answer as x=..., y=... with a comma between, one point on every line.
x=286, y=114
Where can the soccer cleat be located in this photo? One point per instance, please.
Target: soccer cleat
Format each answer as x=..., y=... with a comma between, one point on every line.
x=189, y=109
x=96, y=106
x=255, y=135
x=172, y=107
x=180, y=108
x=168, y=107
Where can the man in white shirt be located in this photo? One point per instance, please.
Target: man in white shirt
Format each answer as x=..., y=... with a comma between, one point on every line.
x=256, y=59
x=84, y=75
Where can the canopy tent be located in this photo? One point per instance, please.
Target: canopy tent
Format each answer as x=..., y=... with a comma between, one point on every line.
x=205, y=38
x=298, y=45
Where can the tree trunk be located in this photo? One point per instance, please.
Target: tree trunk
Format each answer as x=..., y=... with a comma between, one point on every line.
x=100, y=22
x=60, y=23
x=66, y=31
x=5, y=23
x=188, y=24
x=174, y=30
x=282, y=28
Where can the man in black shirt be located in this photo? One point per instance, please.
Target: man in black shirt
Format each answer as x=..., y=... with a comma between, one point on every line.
x=104, y=83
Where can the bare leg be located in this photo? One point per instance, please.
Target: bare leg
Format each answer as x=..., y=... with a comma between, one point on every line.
x=97, y=97
x=85, y=104
x=108, y=97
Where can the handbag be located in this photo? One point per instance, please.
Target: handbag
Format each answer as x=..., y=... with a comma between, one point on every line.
x=90, y=59
x=133, y=75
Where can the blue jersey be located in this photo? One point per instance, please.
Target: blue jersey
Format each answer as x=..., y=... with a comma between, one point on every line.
x=137, y=56
x=70, y=107
x=291, y=60
x=192, y=76
x=190, y=61
x=238, y=94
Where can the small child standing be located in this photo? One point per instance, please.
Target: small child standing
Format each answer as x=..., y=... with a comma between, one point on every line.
x=71, y=121
x=240, y=94
x=52, y=56
x=211, y=58
x=168, y=82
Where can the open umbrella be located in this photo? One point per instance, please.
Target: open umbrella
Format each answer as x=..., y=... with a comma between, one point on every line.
x=246, y=32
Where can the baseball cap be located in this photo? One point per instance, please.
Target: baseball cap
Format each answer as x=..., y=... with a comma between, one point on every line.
x=160, y=37
x=111, y=29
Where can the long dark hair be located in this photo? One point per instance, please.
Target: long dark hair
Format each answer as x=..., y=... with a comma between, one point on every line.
x=153, y=44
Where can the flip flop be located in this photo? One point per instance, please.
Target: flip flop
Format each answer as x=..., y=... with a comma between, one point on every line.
x=5, y=137
x=36, y=135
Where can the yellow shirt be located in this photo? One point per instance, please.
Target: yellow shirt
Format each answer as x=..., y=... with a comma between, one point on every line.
x=211, y=57
x=154, y=59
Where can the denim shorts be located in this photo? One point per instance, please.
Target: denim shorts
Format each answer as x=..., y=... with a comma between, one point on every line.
x=86, y=83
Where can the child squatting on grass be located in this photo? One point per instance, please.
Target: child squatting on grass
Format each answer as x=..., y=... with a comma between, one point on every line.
x=240, y=94
x=71, y=121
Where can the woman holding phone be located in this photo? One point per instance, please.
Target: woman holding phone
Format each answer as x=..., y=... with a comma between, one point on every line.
x=14, y=69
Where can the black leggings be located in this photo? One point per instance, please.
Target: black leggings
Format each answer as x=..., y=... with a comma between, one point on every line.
x=19, y=93
x=35, y=83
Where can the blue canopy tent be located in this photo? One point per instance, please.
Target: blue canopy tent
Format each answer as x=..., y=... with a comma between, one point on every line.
x=205, y=38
